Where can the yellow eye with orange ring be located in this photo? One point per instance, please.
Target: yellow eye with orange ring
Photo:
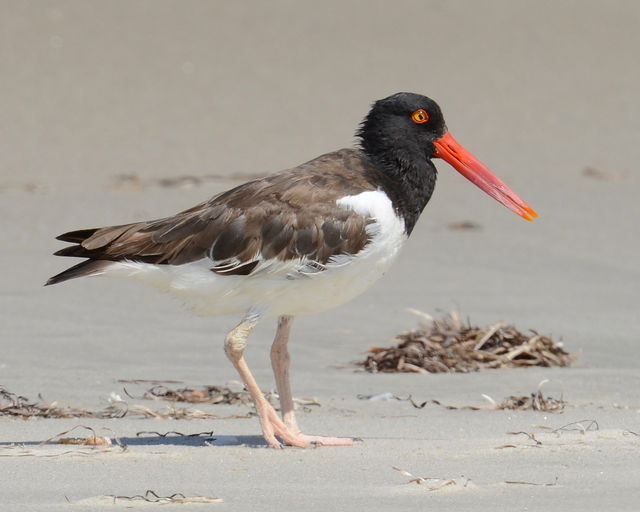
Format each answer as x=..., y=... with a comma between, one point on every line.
x=420, y=116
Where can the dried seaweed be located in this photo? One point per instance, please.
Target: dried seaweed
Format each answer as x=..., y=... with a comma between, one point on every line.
x=438, y=483
x=94, y=445
x=521, y=482
x=174, y=413
x=534, y=402
x=530, y=435
x=207, y=394
x=19, y=406
x=214, y=395
x=448, y=345
x=153, y=497
x=15, y=405
x=91, y=440
x=12, y=404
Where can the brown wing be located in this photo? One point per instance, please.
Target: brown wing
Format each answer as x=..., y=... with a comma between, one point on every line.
x=288, y=215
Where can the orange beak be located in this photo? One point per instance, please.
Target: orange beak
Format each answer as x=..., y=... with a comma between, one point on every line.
x=475, y=171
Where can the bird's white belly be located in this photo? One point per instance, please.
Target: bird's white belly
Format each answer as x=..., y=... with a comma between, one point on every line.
x=327, y=289
x=276, y=287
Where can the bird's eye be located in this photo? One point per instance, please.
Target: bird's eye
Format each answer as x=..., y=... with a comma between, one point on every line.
x=420, y=116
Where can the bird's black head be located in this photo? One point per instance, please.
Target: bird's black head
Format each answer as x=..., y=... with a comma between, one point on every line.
x=403, y=128
x=402, y=133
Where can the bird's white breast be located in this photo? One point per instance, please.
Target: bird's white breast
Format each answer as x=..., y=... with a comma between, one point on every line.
x=277, y=287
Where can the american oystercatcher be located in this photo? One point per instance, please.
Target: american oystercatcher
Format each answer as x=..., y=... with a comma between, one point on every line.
x=299, y=241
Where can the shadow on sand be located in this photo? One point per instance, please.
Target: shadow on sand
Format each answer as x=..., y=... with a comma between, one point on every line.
x=171, y=440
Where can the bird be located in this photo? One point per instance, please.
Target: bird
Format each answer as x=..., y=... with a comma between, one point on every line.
x=295, y=242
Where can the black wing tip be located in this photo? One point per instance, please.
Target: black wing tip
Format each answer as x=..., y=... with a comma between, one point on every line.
x=85, y=268
x=77, y=236
x=72, y=250
x=58, y=278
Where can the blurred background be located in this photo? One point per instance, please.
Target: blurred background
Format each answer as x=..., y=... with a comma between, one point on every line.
x=124, y=110
x=91, y=89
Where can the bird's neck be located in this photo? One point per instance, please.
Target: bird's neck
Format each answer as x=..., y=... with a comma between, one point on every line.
x=409, y=182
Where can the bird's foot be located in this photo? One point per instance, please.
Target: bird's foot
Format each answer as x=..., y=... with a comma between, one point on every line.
x=273, y=428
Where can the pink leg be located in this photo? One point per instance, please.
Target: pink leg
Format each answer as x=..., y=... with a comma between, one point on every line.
x=271, y=424
x=280, y=361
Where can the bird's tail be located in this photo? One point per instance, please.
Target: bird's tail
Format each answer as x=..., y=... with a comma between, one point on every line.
x=86, y=268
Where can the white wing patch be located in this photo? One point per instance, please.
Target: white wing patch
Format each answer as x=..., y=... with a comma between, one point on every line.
x=377, y=205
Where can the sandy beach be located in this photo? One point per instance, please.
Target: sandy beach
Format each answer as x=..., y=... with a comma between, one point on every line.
x=121, y=111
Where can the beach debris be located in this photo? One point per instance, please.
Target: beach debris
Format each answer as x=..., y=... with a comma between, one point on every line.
x=127, y=182
x=12, y=404
x=534, y=402
x=174, y=413
x=149, y=381
x=214, y=395
x=464, y=225
x=380, y=397
x=521, y=482
x=29, y=187
x=582, y=426
x=114, y=398
x=449, y=345
x=87, y=441
x=91, y=440
x=304, y=402
x=206, y=394
x=131, y=182
x=437, y=483
x=94, y=444
x=570, y=433
x=19, y=406
x=530, y=435
x=598, y=174
x=153, y=497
